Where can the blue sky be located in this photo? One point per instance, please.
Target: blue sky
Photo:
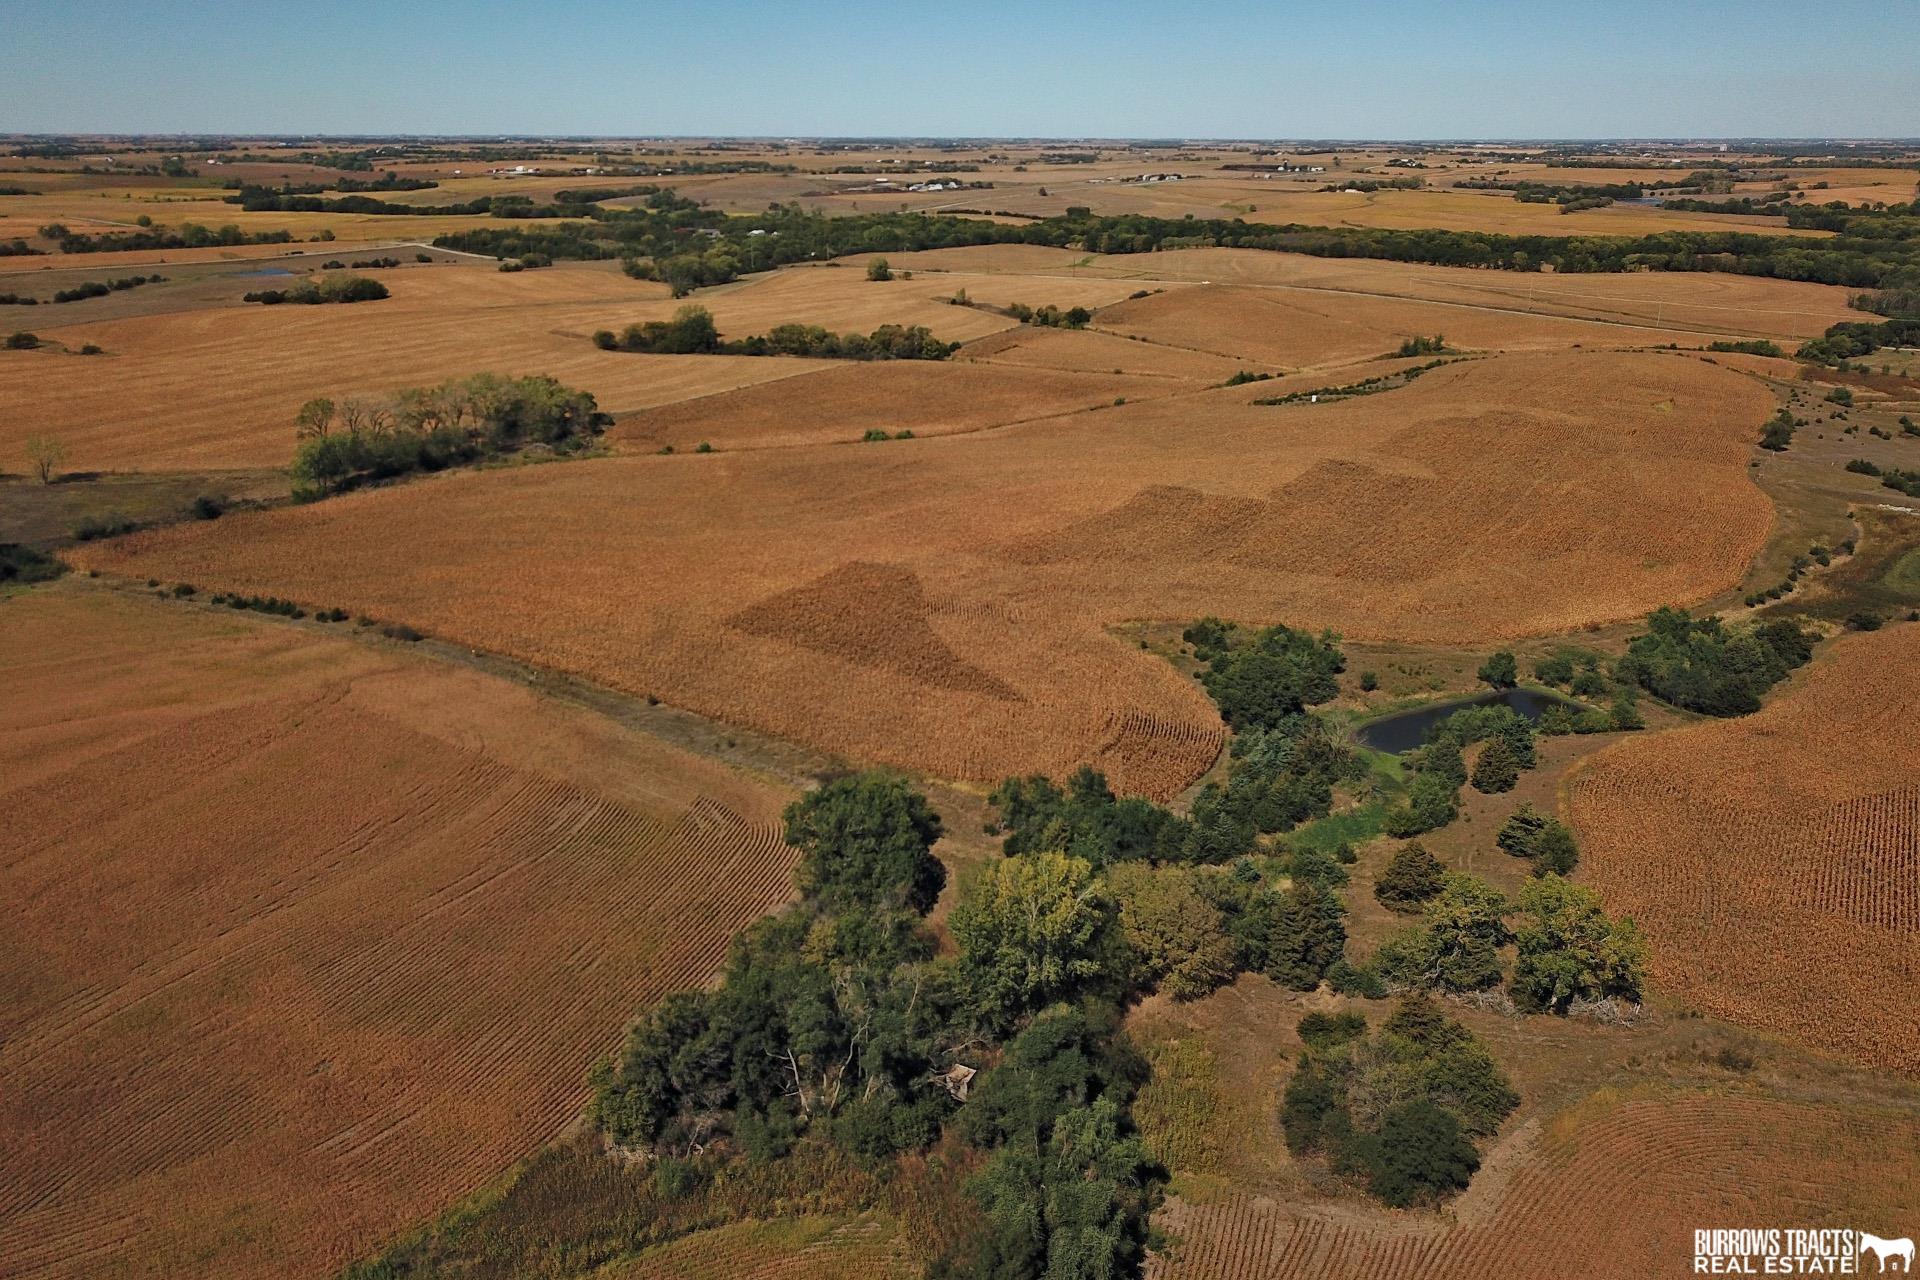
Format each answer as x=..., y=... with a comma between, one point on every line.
x=1388, y=69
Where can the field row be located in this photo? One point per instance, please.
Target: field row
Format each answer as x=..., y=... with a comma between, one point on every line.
x=1772, y=860
x=311, y=967
x=1618, y=1194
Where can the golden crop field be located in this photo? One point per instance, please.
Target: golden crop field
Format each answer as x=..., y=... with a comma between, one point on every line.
x=842, y=403
x=972, y=582
x=1092, y=351
x=1613, y=1189
x=1296, y=329
x=217, y=386
x=1774, y=860
x=1709, y=303
x=301, y=940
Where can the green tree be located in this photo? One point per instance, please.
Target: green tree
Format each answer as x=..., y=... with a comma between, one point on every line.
x=866, y=841
x=1498, y=769
x=1075, y=1209
x=1174, y=935
x=1308, y=936
x=45, y=455
x=1570, y=949
x=879, y=270
x=1422, y=1156
x=1032, y=929
x=314, y=420
x=1412, y=877
x=1456, y=946
x=1500, y=670
x=1433, y=800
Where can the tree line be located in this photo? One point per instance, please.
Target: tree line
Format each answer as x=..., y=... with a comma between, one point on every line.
x=692, y=331
x=354, y=440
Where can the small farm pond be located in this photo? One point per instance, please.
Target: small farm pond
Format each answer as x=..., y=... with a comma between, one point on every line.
x=1405, y=730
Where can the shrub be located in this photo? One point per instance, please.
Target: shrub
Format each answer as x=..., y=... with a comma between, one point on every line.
x=208, y=507
x=23, y=565
x=21, y=340
x=111, y=525
x=878, y=270
x=1500, y=670
x=1777, y=434
x=1546, y=843
x=1412, y=877
x=1396, y=1110
x=1498, y=769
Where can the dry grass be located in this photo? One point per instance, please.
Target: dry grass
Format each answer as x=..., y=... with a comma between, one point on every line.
x=1774, y=861
x=1493, y=498
x=788, y=1249
x=300, y=939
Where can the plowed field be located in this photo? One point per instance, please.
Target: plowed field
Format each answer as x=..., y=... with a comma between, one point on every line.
x=302, y=940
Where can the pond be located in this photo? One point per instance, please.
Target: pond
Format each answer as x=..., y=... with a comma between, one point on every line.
x=1405, y=730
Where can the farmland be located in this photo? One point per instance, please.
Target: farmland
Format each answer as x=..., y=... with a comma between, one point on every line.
x=1773, y=859
x=314, y=937
x=975, y=580
x=356, y=815
x=1612, y=1188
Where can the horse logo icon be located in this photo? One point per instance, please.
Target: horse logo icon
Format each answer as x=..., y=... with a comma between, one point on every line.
x=1884, y=1249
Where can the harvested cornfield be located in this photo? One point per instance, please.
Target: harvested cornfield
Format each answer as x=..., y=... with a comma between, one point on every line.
x=1714, y=302
x=1490, y=499
x=1295, y=328
x=1774, y=860
x=1613, y=1189
x=218, y=387
x=791, y=1249
x=845, y=401
x=1090, y=351
x=301, y=940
